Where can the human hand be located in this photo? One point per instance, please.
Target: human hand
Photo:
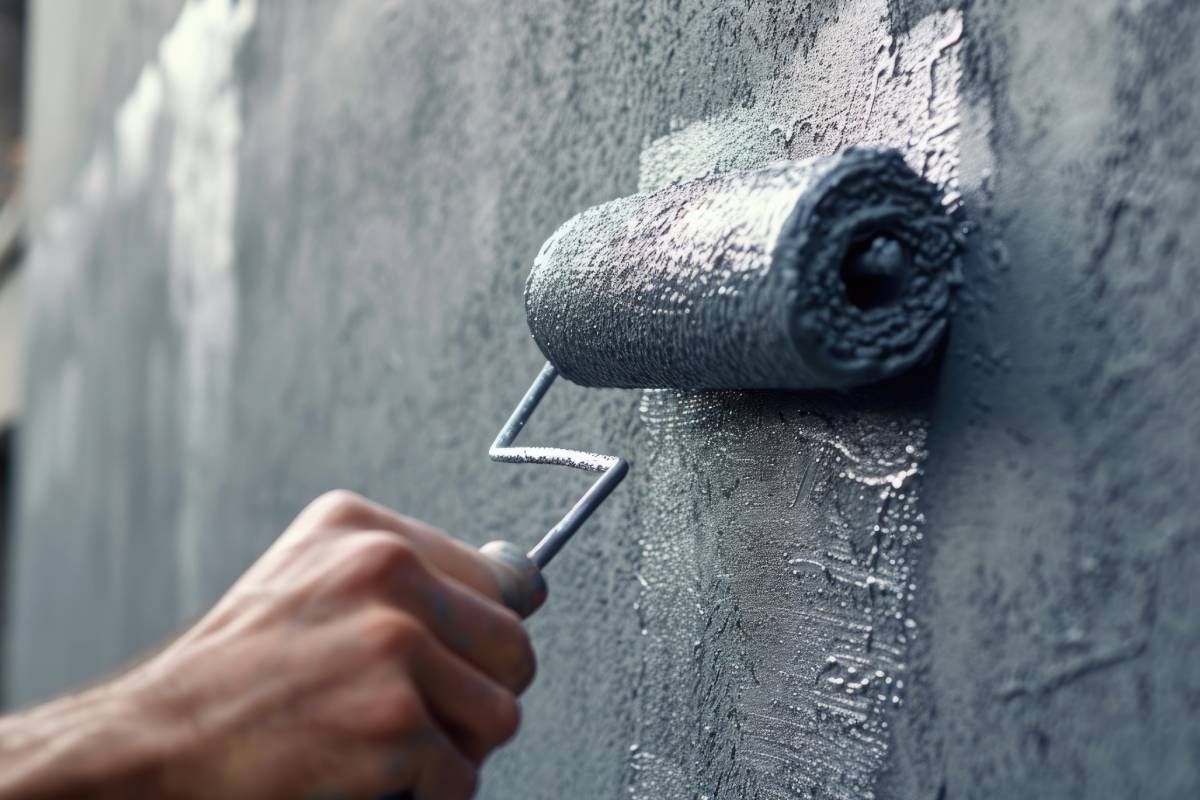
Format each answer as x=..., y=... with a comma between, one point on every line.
x=365, y=652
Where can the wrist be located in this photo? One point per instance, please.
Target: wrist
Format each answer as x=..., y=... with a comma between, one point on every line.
x=107, y=741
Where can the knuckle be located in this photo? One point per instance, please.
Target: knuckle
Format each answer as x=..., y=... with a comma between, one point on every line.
x=374, y=563
x=526, y=671
x=522, y=662
x=396, y=555
x=392, y=635
x=506, y=717
x=383, y=557
x=337, y=506
x=398, y=714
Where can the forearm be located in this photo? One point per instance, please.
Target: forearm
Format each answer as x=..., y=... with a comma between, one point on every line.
x=362, y=655
x=102, y=742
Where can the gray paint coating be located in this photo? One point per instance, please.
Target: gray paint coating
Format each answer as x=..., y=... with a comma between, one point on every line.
x=751, y=279
x=398, y=165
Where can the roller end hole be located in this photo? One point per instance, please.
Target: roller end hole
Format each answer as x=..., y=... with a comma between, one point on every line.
x=873, y=272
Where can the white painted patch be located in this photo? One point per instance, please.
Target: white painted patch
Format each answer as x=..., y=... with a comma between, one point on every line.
x=911, y=101
x=735, y=140
x=821, y=105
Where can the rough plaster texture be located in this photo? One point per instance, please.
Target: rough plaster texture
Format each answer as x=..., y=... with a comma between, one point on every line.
x=319, y=284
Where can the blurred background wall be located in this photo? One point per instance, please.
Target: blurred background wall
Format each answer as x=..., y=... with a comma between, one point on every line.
x=13, y=33
x=275, y=248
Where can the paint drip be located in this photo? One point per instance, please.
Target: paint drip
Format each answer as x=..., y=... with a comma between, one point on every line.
x=828, y=273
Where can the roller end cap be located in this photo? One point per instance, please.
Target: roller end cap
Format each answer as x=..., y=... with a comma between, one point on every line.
x=522, y=586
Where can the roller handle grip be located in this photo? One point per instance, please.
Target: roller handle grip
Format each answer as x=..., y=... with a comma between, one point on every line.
x=522, y=588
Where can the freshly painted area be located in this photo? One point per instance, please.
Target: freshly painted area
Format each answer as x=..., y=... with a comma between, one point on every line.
x=340, y=303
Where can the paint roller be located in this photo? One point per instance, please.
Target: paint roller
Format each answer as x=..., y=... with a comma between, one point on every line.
x=830, y=273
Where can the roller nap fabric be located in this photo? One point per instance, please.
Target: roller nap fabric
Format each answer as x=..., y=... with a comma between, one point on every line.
x=828, y=273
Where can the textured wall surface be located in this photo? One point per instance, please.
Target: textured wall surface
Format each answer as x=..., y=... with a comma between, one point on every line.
x=281, y=247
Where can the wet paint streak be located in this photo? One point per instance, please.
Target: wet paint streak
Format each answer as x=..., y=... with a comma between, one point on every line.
x=778, y=558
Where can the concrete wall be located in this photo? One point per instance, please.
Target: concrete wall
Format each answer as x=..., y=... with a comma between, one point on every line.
x=281, y=247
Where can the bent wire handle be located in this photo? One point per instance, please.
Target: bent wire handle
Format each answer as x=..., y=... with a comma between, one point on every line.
x=613, y=468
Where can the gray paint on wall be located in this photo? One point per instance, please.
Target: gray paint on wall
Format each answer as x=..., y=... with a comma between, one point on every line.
x=397, y=166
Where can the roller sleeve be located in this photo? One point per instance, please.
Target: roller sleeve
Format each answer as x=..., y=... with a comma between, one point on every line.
x=828, y=273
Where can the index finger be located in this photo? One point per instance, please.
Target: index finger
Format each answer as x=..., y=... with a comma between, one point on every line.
x=446, y=554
